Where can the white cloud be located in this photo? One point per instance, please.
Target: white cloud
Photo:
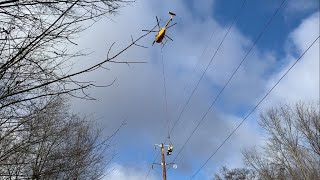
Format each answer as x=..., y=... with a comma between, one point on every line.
x=300, y=6
x=302, y=82
x=306, y=33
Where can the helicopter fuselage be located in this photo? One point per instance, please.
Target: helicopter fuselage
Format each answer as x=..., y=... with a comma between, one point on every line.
x=160, y=35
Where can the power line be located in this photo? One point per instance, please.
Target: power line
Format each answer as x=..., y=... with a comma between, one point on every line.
x=184, y=107
x=151, y=166
x=254, y=108
x=232, y=75
x=194, y=68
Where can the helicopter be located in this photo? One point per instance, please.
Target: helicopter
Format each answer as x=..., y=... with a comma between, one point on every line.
x=161, y=33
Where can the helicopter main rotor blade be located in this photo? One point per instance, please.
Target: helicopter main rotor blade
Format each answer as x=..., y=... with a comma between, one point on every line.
x=158, y=22
x=149, y=30
x=171, y=25
x=169, y=37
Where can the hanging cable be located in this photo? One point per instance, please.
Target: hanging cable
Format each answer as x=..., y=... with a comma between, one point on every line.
x=165, y=96
x=230, y=78
x=264, y=97
x=166, y=112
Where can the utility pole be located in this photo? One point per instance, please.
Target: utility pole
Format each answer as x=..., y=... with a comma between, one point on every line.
x=163, y=160
x=163, y=163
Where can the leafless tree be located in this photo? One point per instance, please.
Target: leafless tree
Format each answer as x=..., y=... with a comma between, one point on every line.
x=235, y=174
x=293, y=144
x=53, y=144
x=34, y=58
x=291, y=148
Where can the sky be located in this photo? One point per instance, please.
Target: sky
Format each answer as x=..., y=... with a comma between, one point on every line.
x=138, y=92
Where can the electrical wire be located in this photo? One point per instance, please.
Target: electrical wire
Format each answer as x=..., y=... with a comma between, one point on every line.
x=151, y=166
x=207, y=67
x=186, y=86
x=230, y=78
x=264, y=97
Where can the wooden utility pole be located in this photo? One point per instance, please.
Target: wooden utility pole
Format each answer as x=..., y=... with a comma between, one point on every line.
x=163, y=160
x=163, y=163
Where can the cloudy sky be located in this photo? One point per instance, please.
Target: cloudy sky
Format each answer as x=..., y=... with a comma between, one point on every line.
x=138, y=92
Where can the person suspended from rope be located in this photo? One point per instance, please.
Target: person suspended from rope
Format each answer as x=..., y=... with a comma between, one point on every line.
x=161, y=33
x=170, y=149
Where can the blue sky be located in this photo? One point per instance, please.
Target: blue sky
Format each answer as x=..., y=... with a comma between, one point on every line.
x=139, y=95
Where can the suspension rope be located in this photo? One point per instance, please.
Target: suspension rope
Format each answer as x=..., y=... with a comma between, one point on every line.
x=165, y=97
x=166, y=111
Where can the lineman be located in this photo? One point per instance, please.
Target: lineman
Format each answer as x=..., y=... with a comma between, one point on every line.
x=170, y=149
